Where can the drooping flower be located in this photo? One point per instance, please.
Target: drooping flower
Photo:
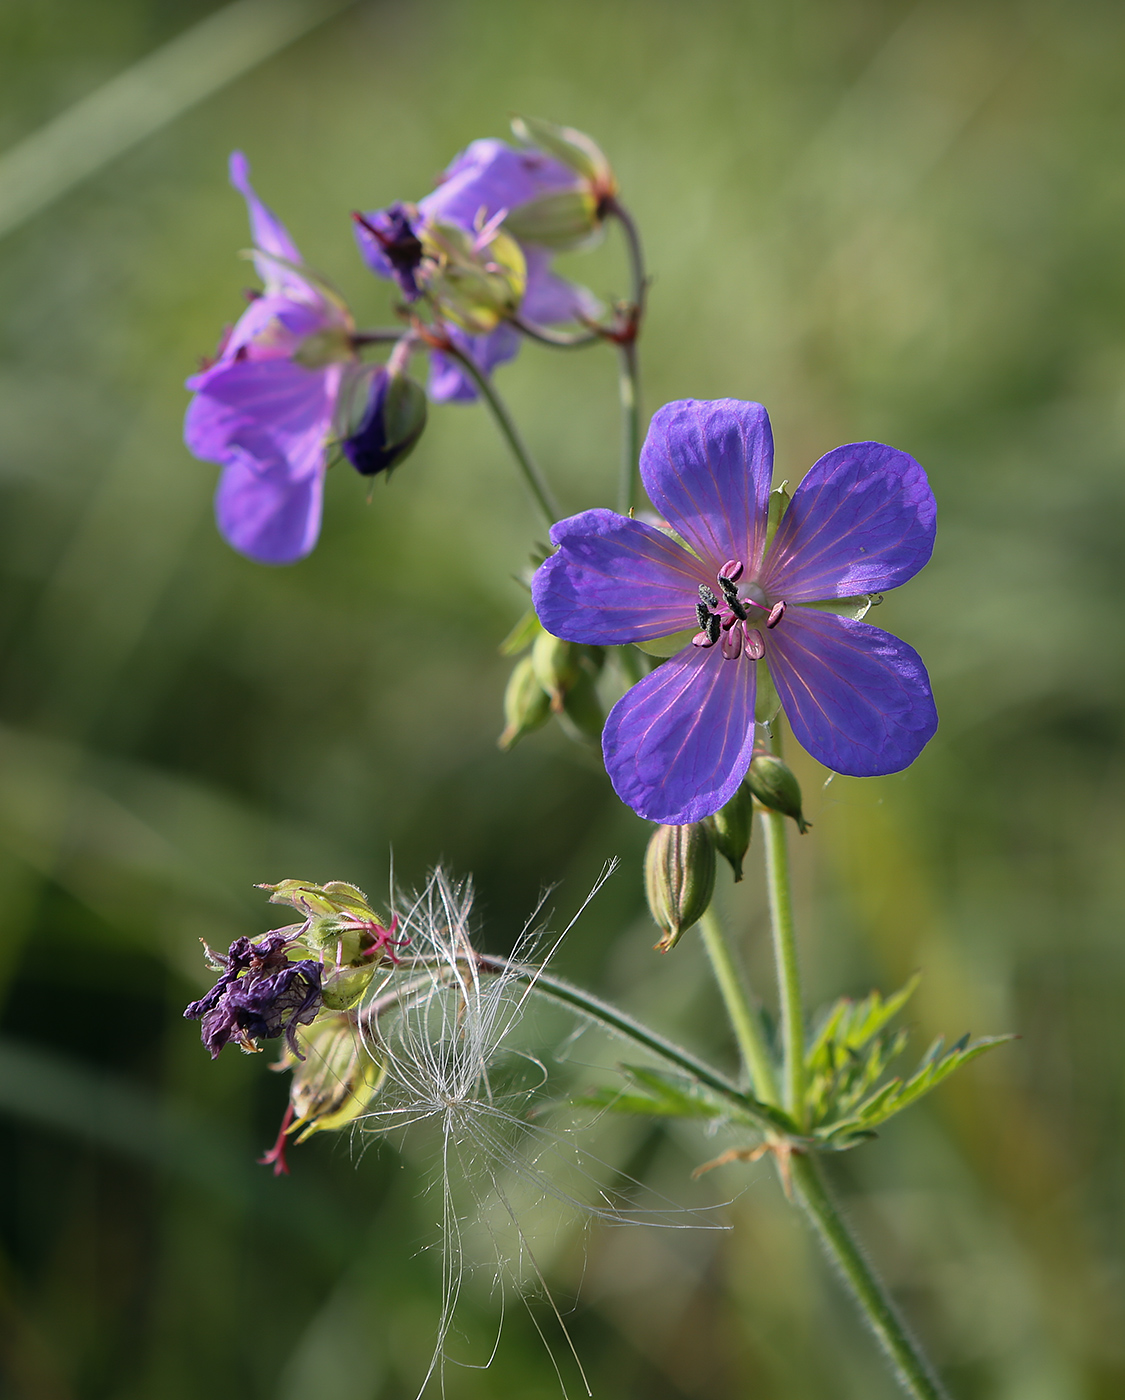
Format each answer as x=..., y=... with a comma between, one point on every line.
x=261, y=994
x=862, y=521
x=488, y=179
x=286, y=384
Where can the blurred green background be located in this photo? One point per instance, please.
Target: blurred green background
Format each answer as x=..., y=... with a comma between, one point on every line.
x=883, y=220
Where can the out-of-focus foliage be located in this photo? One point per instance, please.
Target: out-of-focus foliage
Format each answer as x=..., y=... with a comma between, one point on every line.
x=884, y=220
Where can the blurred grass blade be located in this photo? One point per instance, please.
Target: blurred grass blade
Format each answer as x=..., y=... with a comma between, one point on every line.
x=87, y=1103
x=153, y=92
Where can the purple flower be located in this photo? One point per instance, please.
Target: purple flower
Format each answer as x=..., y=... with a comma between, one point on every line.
x=260, y=995
x=486, y=179
x=680, y=742
x=265, y=409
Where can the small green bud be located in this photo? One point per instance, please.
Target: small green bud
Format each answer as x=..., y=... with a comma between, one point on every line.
x=573, y=148
x=731, y=828
x=527, y=706
x=335, y=1081
x=565, y=220
x=557, y=667
x=774, y=785
x=583, y=708
x=679, y=878
x=475, y=279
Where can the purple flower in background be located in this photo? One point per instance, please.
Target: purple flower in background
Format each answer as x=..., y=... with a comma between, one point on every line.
x=488, y=178
x=260, y=995
x=265, y=409
x=679, y=743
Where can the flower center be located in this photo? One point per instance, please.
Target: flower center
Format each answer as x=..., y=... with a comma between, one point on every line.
x=729, y=620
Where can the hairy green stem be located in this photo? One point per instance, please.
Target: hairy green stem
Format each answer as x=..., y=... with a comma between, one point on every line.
x=605, y=1014
x=744, y=1018
x=785, y=954
x=914, y=1372
x=536, y=482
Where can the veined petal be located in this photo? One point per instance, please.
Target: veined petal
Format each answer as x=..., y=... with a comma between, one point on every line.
x=861, y=521
x=449, y=382
x=707, y=466
x=679, y=743
x=265, y=513
x=615, y=580
x=857, y=698
x=263, y=410
x=267, y=231
x=550, y=299
x=490, y=175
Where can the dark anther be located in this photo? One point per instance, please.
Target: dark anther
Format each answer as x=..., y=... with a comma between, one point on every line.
x=709, y=596
x=711, y=627
x=703, y=616
x=730, y=593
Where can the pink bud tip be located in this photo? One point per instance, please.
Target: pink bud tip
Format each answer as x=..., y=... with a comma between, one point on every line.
x=777, y=612
x=701, y=639
x=732, y=644
x=732, y=569
x=755, y=646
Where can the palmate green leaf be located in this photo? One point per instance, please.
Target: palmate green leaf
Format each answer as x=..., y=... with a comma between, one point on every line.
x=664, y=1095
x=851, y=1050
x=936, y=1065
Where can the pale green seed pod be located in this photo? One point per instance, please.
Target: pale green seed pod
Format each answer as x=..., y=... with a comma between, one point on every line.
x=679, y=878
x=527, y=706
x=565, y=220
x=773, y=783
x=731, y=828
x=476, y=285
x=335, y=1081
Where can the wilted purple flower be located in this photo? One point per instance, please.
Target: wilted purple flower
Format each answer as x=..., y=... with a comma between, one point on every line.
x=260, y=995
x=488, y=178
x=266, y=408
x=678, y=744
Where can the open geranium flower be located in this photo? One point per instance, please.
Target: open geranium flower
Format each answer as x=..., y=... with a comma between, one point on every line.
x=862, y=521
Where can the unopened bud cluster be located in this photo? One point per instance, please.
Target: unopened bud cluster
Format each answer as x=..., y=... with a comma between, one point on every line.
x=555, y=678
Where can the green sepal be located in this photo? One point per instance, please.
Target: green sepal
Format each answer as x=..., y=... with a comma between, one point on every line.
x=527, y=706
x=856, y=607
x=565, y=220
x=667, y=646
x=778, y=504
x=522, y=634
x=731, y=828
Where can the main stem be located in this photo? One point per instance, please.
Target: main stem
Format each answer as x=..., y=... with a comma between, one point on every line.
x=536, y=482
x=743, y=1018
x=913, y=1370
x=910, y=1365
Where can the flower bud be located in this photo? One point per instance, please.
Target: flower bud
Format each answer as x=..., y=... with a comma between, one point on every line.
x=392, y=421
x=583, y=708
x=566, y=219
x=476, y=280
x=557, y=667
x=573, y=148
x=335, y=1081
x=731, y=828
x=679, y=878
x=774, y=785
x=527, y=706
